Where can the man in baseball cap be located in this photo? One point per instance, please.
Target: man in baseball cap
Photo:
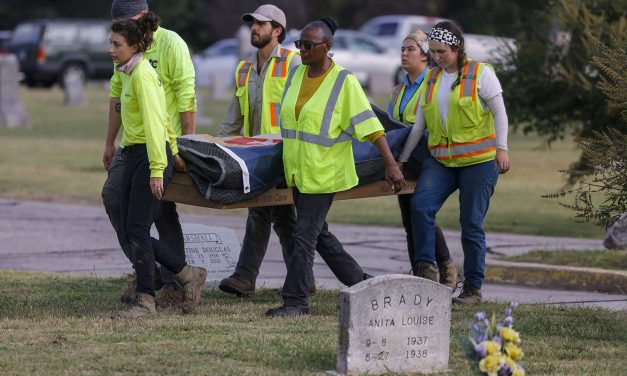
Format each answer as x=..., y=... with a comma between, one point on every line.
x=260, y=80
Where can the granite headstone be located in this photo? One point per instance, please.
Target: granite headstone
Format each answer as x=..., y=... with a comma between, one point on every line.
x=213, y=248
x=616, y=235
x=12, y=113
x=74, y=88
x=394, y=324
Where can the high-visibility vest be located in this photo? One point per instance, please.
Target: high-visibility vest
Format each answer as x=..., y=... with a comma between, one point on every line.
x=469, y=137
x=317, y=147
x=409, y=112
x=273, y=84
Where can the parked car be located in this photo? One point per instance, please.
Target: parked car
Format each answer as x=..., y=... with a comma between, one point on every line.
x=359, y=53
x=49, y=50
x=219, y=58
x=356, y=51
x=391, y=30
x=5, y=37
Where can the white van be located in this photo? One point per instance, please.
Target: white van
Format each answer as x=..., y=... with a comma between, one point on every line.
x=391, y=30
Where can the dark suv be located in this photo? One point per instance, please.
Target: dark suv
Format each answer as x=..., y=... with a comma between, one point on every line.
x=50, y=49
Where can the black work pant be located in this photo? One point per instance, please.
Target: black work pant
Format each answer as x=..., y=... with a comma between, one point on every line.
x=258, y=229
x=138, y=208
x=166, y=220
x=311, y=233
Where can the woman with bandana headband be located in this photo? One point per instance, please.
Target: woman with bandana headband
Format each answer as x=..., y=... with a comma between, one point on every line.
x=402, y=106
x=462, y=107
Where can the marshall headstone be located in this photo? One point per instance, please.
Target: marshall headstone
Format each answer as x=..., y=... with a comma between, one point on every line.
x=213, y=248
x=394, y=324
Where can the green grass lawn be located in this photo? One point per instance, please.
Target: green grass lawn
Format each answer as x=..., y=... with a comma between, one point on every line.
x=52, y=324
x=605, y=259
x=59, y=159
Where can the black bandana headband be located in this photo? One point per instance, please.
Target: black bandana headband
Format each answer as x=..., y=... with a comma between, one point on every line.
x=444, y=36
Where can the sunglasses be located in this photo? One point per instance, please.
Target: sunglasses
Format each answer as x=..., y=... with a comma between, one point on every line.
x=307, y=45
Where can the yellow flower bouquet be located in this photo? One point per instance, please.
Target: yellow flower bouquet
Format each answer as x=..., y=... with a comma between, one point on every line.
x=494, y=346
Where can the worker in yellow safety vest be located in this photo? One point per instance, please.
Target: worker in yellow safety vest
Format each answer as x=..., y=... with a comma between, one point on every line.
x=322, y=110
x=254, y=110
x=462, y=107
x=402, y=106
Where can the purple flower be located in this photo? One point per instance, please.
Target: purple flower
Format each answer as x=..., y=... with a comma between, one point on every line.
x=513, y=305
x=508, y=312
x=480, y=338
x=479, y=316
x=498, y=340
x=505, y=370
x=477, y=326
x=481, y=350
x=509, y=320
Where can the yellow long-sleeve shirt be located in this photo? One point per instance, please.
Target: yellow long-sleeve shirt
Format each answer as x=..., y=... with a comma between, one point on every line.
x=144, y=115
x=169, y=56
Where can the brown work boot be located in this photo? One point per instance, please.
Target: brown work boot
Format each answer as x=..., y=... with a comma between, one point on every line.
x=448, y=273
x=237, y=284
x=144, y=307
x=171, y=296
x=192, y=278
x=129, y=296
x=426, y=270
x=470, y=295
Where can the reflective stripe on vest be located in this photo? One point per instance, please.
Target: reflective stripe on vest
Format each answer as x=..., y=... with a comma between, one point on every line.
x=464, y=149
x=397, y=95
x=468, y=85
x=280, y=66
x=434, y=74
x=322, y=139
x=243, y=72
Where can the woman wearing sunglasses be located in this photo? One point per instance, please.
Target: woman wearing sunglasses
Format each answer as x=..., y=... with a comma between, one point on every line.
x=322, y=109
x=402, y=106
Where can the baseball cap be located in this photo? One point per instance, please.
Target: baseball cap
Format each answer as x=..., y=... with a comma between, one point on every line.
x=266, y=12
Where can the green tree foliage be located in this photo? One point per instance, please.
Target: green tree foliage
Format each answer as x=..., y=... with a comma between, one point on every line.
x=553, y=90
x=13, y=12
x=600, y=194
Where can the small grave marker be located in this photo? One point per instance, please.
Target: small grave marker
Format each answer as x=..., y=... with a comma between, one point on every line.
x=394, y=324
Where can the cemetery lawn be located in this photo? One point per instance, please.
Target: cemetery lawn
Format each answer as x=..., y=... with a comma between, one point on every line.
x=60, y=159
x=53, y=324
x=605, y=259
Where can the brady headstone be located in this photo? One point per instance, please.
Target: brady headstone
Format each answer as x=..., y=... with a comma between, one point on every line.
x=394, y=324
x=12, y=113
x=213, y=248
